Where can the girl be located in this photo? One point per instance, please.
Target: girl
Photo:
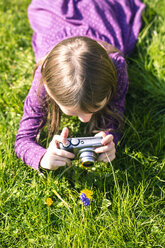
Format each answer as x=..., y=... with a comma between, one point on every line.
x=80, y=71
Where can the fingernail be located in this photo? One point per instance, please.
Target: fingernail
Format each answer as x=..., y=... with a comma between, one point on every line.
x=66, y=142
x=96, y=150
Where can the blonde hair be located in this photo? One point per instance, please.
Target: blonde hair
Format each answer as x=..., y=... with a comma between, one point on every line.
x=78, y=72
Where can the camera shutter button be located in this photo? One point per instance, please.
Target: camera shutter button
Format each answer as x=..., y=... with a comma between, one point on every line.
x=75, y=141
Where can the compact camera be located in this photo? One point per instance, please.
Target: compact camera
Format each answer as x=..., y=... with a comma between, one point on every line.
x=83, y=148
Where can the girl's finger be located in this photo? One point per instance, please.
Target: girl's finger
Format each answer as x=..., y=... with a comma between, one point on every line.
x=61, y=162
x=103, y=156
x=64, y=134
x=109, y=158
x=56, y=164
x=56, y=139
x=60, y=152
x=102, y=134
x=107, y=139
x=107, y=148
x=60, y=138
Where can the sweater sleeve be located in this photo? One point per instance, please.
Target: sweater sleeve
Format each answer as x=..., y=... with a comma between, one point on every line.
x=33, y=120
x=117, y=104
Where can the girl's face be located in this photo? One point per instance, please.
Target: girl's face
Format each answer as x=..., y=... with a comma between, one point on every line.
x=83, y=117
x=72, y=111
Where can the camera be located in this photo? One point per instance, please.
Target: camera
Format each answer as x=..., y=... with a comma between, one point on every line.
x=83, y=148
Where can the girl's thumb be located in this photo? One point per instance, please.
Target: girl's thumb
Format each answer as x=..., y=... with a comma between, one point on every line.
x=65, y=132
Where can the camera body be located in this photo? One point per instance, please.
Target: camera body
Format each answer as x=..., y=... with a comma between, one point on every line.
x=83, y=148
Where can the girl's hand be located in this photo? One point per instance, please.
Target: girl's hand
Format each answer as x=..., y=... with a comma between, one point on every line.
x=55, y=157
x=108, y=148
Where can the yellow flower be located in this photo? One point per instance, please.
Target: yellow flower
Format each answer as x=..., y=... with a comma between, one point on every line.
x=87, y=192
x=49, y=201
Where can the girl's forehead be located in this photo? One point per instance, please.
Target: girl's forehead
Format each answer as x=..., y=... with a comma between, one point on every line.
x=71, y=110
x=74, y=110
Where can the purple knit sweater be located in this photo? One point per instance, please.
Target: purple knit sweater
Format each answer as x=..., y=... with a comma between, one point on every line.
x=114, y=21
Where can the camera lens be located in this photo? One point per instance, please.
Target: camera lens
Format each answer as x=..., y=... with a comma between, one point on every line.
x=87, y=157
x=87, y=163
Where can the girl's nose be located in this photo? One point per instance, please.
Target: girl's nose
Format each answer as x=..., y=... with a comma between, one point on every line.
x=85, y=117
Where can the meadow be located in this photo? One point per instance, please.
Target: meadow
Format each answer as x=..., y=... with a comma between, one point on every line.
x=128, y=205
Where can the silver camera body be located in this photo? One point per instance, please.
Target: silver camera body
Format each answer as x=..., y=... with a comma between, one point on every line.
x=83, y=148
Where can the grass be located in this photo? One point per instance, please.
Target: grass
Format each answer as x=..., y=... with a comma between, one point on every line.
x=127, y=209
